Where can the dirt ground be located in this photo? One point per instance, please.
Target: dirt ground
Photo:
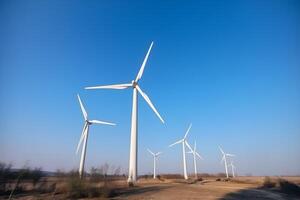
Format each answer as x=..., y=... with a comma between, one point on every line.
x=241, y=188
x=209, y=188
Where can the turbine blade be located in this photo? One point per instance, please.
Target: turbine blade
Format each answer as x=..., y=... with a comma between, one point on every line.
x=157, y=154
x=140, y=74
x=228, y=154
x=221, y=150
x=149, y=103
x=101, y=122
x=82, y=108
x=186, y=133
x=179, y=141
x=188, y=145
x=223, y=158
x=197, y=154
x=115, y=86
x=151, y=152
x=81, y=137
x=195, y=146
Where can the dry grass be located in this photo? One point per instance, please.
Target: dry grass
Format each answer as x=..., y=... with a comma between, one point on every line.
x=166, y=186
x=74, y=187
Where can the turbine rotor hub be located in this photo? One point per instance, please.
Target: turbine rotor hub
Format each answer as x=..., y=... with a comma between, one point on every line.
x=134, y=84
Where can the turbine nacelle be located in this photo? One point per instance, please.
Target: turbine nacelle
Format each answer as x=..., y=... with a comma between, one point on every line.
x=134, y=83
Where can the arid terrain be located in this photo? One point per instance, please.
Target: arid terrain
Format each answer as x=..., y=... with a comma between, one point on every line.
x=208, y=188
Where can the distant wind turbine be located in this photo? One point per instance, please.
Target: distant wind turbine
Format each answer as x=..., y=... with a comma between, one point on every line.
x=132, y=174
x=85, y=134
x=183, y=142
x=224, y=159
x=232, y=168
x=195, y=153
x=155, y=155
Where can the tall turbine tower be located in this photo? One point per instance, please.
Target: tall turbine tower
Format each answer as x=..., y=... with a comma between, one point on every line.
x=224, y=159
x=155, y=155
x=195, y=154
x=183, y=142
x=132, y=174
x=85, y=134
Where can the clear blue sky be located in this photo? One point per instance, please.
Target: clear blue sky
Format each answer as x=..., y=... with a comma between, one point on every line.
x=232, y=68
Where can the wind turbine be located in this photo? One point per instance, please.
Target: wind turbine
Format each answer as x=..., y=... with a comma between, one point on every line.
x=132, y=174
x=195, y=153
x=155, y=155
x=232, y=168
x=85, y=134
x=183, y=142
x=225, y=160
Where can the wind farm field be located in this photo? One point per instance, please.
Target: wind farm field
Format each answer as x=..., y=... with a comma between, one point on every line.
x=150, y=100
x=163, y=188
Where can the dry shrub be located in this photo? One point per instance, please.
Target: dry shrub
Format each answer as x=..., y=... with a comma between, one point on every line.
x=221, y=174
x=77, y=188
x=130, y=184
x=172, y=176
x=18, y=177
x=191, y=181
x=288, y=187
x=205, y=175
x=146, y=176
x=160, y=178
x=240, y=181
x=268, y=183
x=199, y=179
x=45, y=187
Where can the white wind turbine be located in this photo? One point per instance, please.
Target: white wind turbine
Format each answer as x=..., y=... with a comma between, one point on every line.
x=85, y=134
x=155, y=155
x=132, y=174
x=183, y=142
x=232, y=168
x=195, y=153
x=224, y=158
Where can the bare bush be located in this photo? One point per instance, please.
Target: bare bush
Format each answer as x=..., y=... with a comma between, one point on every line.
x=10, y=180
x=77, y=188
x=199, y=179
x=268, y=183
x=117, y=171
x=172, y=176
x=5, y=173
x=288, y=187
